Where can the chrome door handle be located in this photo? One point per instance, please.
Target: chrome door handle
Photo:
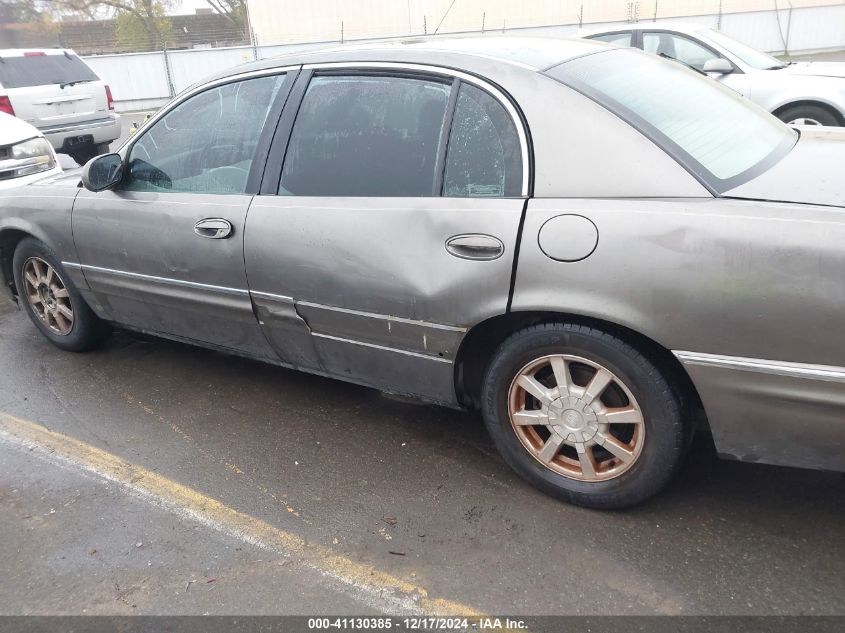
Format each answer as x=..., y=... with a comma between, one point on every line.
x=213, y=228
x=475, y=246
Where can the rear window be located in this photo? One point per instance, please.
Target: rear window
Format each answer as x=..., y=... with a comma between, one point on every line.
x=720, y=136
x=40, y=70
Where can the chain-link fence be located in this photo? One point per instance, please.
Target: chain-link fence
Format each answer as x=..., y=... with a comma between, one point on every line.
x=272, y=22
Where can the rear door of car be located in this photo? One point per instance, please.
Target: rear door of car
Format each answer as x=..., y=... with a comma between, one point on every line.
x=163, y=252
x=52, y=88
x=372, y=249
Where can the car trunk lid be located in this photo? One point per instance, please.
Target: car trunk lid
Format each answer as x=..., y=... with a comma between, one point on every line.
x=810, y=174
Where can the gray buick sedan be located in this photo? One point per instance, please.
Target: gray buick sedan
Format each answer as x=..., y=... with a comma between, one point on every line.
x=597, y=248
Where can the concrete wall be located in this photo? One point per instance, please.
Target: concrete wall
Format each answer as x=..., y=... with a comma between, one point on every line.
x=147, y=80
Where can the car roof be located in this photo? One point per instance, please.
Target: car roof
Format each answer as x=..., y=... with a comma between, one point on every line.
x=469, y=53
x=681, y=27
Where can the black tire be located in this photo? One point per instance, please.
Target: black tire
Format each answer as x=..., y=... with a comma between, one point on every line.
x=88, y=331
x=665, y=427
x=819, y=114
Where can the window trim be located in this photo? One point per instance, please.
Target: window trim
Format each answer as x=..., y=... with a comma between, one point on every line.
x=273, y=171
x=264, y=139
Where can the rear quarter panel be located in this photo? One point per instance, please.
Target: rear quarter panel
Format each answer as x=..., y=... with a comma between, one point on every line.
x=736, y=278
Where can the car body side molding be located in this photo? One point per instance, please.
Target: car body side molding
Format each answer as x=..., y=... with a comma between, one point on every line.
x=776, y=368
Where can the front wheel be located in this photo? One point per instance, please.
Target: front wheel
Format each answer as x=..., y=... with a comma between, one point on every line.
x=808, y=115
x=53, y=304
x=583, y=416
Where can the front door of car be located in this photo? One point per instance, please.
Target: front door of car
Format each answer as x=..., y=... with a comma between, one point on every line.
x=693, y=53
x=163, y=252
x=372, y=249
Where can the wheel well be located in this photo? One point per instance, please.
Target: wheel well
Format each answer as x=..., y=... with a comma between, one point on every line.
x=817, y=104
x=9, y=240
x=480, y=343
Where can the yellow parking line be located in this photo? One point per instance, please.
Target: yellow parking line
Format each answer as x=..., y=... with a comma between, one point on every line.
x=376, y=588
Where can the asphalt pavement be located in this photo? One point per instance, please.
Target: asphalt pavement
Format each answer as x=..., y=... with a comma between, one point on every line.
x=154, y=477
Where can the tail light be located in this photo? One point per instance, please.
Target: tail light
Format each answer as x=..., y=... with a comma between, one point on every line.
x=34, y=54
x=6, y=106
x=109, y=98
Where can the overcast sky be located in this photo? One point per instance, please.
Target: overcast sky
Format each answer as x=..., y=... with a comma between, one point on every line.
x=188, y=6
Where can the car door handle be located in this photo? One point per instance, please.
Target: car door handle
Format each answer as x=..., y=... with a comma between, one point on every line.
x=475, y=246
x=213, y=228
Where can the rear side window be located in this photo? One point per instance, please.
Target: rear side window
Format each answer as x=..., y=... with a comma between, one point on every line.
x=366, y=136
x=483, y=158
x=617, y=39
x=41, y=70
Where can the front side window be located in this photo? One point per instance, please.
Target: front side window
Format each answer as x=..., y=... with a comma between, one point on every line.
x=207, y=143
x=751, y=56
x=678, y=47
x=366, y=136
x=483, y=157
x=722, y=137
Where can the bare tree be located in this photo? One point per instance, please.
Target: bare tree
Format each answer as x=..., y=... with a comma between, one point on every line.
x=140, y=23
x=235, y=12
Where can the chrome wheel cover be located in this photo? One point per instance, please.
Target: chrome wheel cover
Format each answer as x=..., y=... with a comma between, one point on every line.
x=576, y=417
x=48, y=296
x=803, y=121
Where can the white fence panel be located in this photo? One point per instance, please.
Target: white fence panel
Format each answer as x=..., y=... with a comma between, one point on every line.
x=189, y=66
x=760, y=30
x=267, y=51
x=135, y=79
x=817, y=29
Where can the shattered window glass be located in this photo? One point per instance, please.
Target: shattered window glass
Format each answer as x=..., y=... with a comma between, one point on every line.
x=483, y=158
x=207, y=143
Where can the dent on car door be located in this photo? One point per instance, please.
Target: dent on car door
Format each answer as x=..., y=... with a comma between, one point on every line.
x=164, y=251
x=381, y=275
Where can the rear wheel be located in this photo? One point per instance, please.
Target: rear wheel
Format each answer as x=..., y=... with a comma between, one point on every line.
x=52, y=302
x=583, y=416
x=808, y=115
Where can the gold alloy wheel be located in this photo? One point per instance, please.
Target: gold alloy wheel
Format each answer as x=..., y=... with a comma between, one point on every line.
x=48, y=296
x=576, y=417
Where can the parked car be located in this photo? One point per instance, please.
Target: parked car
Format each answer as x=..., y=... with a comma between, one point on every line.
x=25, y=155
x=57, y=92
x=798, y=93
x=588, y=244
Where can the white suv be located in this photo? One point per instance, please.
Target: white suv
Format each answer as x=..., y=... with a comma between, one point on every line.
x=58, y=93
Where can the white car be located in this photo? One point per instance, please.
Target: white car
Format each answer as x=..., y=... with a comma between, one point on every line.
x=798, y=93
x=25, y=155
x=57, y=92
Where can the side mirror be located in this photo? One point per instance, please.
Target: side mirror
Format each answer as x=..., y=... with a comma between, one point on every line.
x=718, y=66
x=102, y=172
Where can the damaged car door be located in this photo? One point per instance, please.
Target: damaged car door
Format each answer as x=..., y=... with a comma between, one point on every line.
x=163, y=251
x=372, y=249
